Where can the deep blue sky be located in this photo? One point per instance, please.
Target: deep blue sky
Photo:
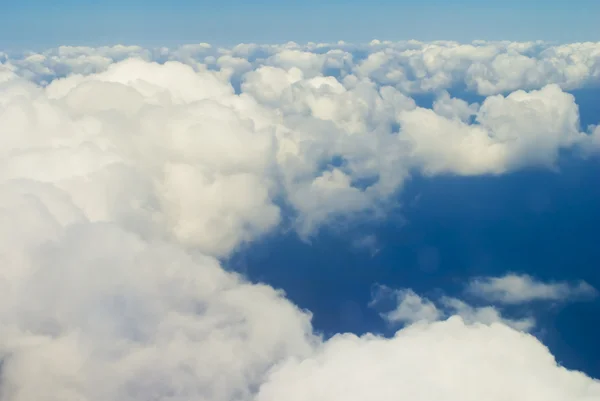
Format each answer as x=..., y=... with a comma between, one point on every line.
x=42, y=23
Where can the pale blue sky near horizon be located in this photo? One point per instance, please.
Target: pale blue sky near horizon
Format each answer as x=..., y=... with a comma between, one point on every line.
x=39, y=23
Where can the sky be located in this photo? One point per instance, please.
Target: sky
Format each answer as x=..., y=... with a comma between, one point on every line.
x=38, y=23
x=295, y=210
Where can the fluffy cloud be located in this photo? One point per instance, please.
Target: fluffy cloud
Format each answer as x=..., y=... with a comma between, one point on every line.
x=485, y=314
x=411, y=308
x=136, y=143
x=486, y=68
x=516, y=289
x=65, y=60
x=521, y=129
x=447, y=360
x=125, y=172
x=92, y=312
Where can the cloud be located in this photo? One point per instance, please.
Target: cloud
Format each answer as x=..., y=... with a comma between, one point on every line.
x=368, y=243
x=516, y=289
x=66, y=60
x=485, y=315
x=136, y=143
x=411, y=308
x=519, y=130
x=448, y=360
x=592, y=144
x=90, y=311
x=486, y=68
x=127, y=173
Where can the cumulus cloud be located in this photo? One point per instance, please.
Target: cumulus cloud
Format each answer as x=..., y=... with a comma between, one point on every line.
x=66, y=60
x=125, y=173
x=485, y=315
x=516, y=289
x=137, y=143
x=521, y=129
x=447, y=360
x=486, y=68
x=92, y=312
x=412, y=308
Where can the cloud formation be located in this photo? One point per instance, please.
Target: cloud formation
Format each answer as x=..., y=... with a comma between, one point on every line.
x=516, y=289
x=486, y=68
x=126, y=173
x=447, y=360
x=411, y=308
x=92, y=312
x=328, y=148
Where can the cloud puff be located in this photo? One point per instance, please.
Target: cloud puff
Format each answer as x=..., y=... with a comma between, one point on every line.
x=516, y=289
x=93, y=312
x=521, y=129
x=485, y=315
x=136, y=143
x=447, y=360
x=411, y=308
x=125, y=172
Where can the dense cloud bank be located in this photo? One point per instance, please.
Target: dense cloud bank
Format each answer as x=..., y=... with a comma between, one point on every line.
x=413, y=67
x=127, y=173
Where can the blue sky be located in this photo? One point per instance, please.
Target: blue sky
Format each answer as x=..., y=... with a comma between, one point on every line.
x=39, y=23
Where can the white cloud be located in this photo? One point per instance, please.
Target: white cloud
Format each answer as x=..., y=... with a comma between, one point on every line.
x=92, y=312
x=516, y=289
x=485, y=314
x=66, y=60
x=447, y=360
x=591, y=145
x=521, y=129
x=329, y=147
x=484, y=67
x=412, y=308
x=454, y=108
x=137, y=142
x=121, y=180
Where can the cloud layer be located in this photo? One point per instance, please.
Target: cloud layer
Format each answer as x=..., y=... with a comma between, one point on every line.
x=483, y=67
x=126, y=173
